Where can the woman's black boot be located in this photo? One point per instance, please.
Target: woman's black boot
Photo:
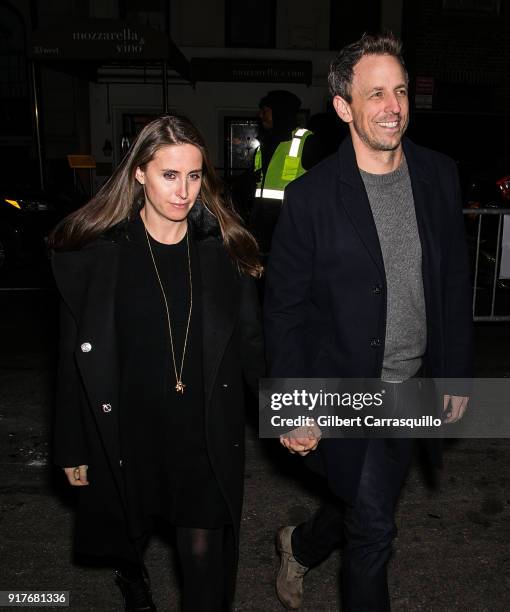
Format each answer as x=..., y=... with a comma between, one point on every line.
x=136, y=593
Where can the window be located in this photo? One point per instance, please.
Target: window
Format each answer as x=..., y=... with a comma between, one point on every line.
x=250, y=23
x=349, y=20
x=151, y=13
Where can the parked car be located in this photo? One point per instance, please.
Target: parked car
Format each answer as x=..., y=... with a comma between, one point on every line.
x=26, y=219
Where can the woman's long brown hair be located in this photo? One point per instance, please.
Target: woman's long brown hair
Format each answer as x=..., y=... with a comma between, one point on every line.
x=119, y=197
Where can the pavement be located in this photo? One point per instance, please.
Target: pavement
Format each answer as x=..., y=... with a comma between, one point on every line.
x=452, y=552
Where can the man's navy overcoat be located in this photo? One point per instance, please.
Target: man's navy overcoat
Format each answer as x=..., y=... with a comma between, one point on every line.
x=325, y=304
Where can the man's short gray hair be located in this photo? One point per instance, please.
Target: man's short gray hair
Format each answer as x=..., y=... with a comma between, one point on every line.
x=341, y=68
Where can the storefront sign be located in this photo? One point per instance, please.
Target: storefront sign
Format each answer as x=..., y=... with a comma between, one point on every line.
x=251, y=71
x=100, y=39
x=473, y=6
x=424, y=92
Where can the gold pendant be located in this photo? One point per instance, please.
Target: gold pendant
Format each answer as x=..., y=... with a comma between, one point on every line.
x=179, y=387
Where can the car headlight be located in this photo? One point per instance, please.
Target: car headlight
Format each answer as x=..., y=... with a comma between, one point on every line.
x=30, y=205
x=14, y=203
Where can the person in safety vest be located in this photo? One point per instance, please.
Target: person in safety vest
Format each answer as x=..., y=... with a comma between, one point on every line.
x=285, y=153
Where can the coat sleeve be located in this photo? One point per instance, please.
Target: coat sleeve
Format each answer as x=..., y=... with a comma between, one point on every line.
x=69, y=448
x=252, y=339
x=288, y=285
x=457, y=299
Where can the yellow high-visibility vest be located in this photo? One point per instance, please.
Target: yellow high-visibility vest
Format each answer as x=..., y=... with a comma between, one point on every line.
x=284, y=167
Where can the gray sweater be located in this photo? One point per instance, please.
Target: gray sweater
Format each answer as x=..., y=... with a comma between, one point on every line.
x=392, y=204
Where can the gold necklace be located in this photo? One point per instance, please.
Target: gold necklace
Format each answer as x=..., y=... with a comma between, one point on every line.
x=179, y=385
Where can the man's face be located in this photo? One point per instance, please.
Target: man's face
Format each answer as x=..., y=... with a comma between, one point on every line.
x=266, y=117
x=379, y=110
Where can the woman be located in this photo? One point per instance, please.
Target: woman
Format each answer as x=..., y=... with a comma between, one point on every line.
x=159, y=323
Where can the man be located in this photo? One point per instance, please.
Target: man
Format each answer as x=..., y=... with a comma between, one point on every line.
x=286, y=152
x=368, y=277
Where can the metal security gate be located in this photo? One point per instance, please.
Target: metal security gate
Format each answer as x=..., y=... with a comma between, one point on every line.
x=487, y=236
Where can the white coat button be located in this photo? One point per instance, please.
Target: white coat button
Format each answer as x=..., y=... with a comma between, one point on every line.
x=107, y=407
x=86, y=347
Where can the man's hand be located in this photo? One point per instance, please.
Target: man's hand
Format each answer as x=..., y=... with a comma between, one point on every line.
x=302, y=440
x=457, y=406
x=77, y=476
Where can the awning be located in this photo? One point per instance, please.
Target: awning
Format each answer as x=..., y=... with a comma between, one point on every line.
x=80, y=48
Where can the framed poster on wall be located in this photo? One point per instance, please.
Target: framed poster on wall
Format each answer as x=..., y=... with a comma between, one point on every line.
x=240, y=138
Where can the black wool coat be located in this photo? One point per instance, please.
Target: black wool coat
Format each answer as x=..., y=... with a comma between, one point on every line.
x=325, y=300
x=87, y=408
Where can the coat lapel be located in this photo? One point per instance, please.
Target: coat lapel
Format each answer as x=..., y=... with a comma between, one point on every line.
x=219, y=308
x=355, y=201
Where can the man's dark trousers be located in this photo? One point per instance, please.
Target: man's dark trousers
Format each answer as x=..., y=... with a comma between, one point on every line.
x=364, y=529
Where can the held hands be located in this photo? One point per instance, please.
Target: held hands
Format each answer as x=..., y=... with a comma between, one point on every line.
x=302, y=440
x=77, y=476
x=454, y=407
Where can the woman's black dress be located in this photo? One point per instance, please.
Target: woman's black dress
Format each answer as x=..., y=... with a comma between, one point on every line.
x=167, y=471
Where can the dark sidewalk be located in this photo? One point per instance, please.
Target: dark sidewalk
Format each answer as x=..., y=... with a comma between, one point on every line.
x=452, y=552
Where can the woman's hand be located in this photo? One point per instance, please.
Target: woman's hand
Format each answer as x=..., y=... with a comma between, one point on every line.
x=77, y=476
x=302, y=440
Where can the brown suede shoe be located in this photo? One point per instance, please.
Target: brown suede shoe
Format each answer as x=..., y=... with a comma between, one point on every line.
x=289, y=581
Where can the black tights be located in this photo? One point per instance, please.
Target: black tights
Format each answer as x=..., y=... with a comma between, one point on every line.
x=202, y=562
x=201, y=556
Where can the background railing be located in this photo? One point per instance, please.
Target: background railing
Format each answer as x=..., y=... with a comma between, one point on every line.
x=491, y=293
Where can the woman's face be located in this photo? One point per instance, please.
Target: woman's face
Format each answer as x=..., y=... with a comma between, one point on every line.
x=172, y=181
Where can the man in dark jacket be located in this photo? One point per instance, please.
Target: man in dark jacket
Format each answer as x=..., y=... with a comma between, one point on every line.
x=368, y=278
